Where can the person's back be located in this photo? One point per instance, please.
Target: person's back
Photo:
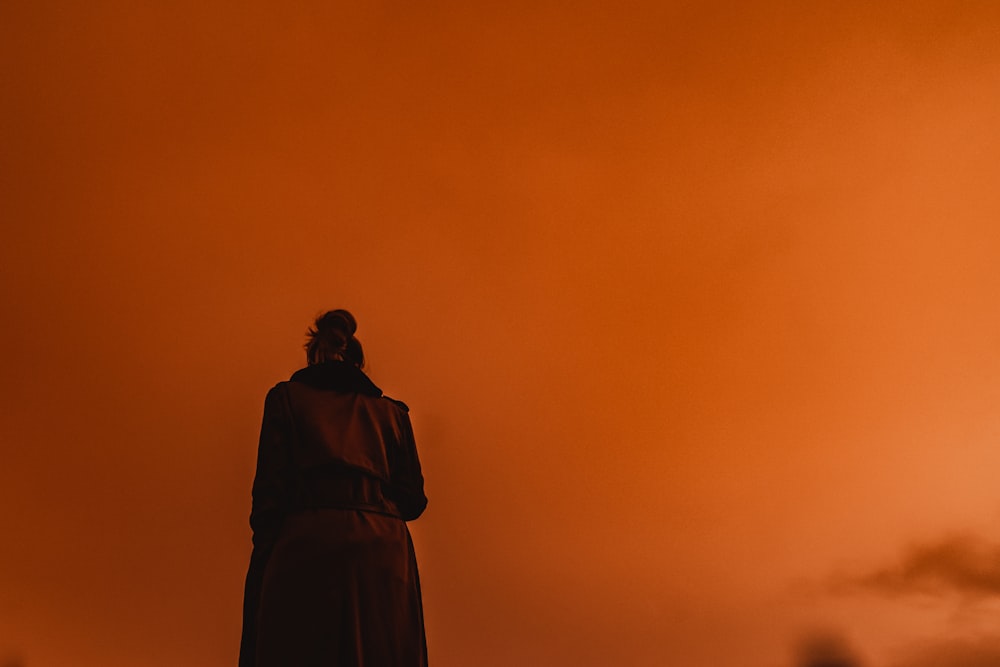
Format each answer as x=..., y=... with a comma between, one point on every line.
x=333, y=577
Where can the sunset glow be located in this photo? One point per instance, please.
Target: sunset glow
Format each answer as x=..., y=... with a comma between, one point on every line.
x=693, y=304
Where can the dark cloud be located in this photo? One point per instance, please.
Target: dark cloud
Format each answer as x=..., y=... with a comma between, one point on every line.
x=965, y=565
x=825, y=650
x=982, y=652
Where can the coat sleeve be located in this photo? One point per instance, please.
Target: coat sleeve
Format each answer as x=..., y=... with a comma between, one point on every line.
x=272, y=482
x=270, y=503
x=405, y=477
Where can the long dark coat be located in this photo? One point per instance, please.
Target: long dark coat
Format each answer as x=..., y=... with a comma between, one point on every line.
x=333, y=575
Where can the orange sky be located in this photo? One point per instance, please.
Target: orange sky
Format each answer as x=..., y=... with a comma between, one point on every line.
x=693, y=303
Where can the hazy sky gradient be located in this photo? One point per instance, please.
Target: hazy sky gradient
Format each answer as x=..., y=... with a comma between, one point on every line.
x=693, y=304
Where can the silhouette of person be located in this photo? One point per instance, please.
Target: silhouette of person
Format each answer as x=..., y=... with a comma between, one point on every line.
x=333, y=574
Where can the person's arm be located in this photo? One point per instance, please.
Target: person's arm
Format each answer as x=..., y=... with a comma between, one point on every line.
x=270, y=504
x=271, y=483
x=407, y=480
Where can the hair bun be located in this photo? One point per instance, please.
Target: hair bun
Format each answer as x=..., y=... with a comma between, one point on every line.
x=339, y=320
x=333, y=339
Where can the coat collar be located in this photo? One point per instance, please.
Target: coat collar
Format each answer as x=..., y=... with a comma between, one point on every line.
x=336, y=376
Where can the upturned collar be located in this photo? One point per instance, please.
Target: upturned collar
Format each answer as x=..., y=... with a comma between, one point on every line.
x=337, y=376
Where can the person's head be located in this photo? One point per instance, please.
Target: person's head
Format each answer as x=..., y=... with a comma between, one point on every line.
x=331, y=338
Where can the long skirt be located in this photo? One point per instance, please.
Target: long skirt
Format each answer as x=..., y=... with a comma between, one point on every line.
x=341, y=588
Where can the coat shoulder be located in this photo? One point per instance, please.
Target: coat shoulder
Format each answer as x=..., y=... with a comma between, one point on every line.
x=276, y=391
x=403, y=406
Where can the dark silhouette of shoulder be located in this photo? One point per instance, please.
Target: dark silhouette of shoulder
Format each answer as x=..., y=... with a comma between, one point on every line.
x=403, y=406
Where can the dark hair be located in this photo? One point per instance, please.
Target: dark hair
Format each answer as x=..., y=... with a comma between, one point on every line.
x=332, y=338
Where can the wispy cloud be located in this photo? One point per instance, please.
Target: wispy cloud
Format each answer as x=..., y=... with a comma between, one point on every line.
x=962, y=564
x=962, y=568
x=982, y=652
